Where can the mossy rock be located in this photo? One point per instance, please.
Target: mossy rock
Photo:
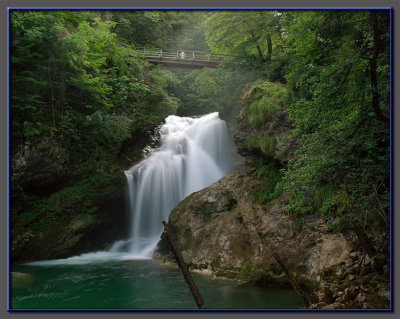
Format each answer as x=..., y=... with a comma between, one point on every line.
x=174, y=215
x=262, y=100
x=21, y=280
x=267, y=145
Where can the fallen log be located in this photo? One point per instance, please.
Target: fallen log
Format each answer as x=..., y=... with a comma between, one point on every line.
x=184, y=269
x=292, y=280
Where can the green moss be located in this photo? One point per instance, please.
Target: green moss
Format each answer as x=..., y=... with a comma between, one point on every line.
x=271, y=125
x=80, y=200
x=267, y=145
x=215, y=264
x=271, y=176
x=87, y=218
x=175, y=213
x=262, y=100
x=281, y=153
x=253, y=141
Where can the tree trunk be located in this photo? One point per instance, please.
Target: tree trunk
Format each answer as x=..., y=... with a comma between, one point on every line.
x=269, y=44
x=373, y=74
x=259, y=51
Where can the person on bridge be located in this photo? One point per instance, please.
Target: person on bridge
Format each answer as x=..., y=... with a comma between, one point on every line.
x=182, y=55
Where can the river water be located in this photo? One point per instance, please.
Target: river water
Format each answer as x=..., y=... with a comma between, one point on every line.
x=134, y=284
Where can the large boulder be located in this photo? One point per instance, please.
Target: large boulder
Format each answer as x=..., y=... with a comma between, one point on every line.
x=224, y=229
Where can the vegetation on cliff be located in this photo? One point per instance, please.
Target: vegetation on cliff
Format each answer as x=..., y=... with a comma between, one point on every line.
x=79, y=95
x=334, y=88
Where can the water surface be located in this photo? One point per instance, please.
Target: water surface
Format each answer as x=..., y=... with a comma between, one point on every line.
x=135, y=284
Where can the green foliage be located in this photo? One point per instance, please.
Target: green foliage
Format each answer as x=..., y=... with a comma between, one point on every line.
x=75, y=84
x=270, y=175
x=72, y=78
x=253, y=141
x=342, y=168
x=77, y=201
x=334, y=228
x=262, y=100
x=191, y=33
x=33, y=40
x=210, y=90
x=108, y=129
x=87, y=51
x=239, y=32
x=267, y=144
x=252, y=39
x=328, y=201
x=148, y=27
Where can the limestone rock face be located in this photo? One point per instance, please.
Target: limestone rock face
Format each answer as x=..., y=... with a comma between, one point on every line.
x=246, y=139
x=224, y=229
x=37, y=171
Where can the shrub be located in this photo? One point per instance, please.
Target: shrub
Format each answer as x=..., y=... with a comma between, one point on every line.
x=267, y=144
x=262, y=100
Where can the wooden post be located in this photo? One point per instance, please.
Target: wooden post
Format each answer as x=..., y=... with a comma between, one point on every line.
x=144, y=51
x=160, y=53
x=292, y=281
x=193, y=55
x=183, y=267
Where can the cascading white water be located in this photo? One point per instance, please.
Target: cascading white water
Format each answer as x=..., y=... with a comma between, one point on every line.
x=195, y=152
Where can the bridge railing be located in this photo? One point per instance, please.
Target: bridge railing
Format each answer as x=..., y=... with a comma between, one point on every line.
x=185, y=55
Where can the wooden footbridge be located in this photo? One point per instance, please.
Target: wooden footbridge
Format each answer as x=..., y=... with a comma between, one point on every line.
x=182, y=58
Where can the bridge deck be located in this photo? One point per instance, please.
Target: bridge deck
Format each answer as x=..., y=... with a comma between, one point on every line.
x=182, y=58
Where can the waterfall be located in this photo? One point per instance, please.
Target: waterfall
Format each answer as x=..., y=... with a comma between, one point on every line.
x=194, y=153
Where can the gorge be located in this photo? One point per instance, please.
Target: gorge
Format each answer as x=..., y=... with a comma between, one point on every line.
x=104, y=145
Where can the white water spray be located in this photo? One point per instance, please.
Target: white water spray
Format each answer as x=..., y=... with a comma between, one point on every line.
x=194, y=154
